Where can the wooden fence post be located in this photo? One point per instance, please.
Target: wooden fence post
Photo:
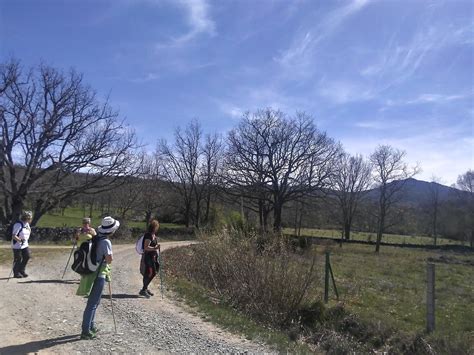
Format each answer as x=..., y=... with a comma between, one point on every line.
x=430, y=298
x=326, y=279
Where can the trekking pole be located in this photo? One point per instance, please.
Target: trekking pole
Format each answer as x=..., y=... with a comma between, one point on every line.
x=70, y=254
x=160, y=261
x=11, y=271
x=112, y=305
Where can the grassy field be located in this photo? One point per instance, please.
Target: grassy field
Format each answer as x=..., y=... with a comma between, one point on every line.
x=391, y=286
x=385, y=291
x=72, y=217
x=363, y=236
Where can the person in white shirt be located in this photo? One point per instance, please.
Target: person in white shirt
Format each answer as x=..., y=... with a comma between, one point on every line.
x=21, y=253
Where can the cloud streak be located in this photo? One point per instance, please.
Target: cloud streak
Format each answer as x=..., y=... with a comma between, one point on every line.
x=304, y=45
x=198, y=19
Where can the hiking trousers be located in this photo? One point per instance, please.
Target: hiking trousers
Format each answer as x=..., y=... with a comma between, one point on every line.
x=151, y=267
x=20, y=258
x=92, y=304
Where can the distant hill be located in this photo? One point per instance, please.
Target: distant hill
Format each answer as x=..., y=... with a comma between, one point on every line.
x=416, y=191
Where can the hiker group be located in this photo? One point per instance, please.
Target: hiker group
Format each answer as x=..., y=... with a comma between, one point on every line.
x=93, y=257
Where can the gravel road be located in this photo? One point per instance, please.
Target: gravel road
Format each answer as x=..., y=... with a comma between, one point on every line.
x=42, y=314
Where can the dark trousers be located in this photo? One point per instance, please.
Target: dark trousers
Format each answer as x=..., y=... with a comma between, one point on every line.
x=151, y=268
x=20, y=259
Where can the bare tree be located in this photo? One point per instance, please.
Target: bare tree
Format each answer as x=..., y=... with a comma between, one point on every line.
x=191, y=166
x=350, y=181
x=390, y=174
x=57, y=140
x=465, y=183
x=151, y=189
x=244, y=173
x=211, y=169
x=275, y=159
x=434, y=206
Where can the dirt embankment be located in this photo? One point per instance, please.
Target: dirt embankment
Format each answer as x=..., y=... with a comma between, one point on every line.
x=42, y=314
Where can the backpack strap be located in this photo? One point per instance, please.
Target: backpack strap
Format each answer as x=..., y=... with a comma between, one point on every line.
x=19, y=231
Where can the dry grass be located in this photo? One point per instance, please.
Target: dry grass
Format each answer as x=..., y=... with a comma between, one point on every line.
x=382, y=303
x=269, y=283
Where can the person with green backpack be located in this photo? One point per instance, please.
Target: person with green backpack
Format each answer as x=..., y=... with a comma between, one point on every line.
x=92, y=284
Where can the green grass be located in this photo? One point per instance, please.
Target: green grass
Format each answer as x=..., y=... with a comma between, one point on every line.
x=72, y=217
x=6, y=255
x=387, y=288
x=390, y=287
x=224, y=316
x=364, y=236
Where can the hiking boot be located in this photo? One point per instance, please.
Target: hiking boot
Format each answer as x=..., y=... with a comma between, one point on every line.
x=149, y=292
x=88, y=336
x=24, y=274
x=18, y=276
x=94, y=330
x=144, y=293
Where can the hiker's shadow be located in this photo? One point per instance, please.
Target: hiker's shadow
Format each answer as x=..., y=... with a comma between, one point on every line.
x=50, y=281
x=120, y=295
x=36, y=346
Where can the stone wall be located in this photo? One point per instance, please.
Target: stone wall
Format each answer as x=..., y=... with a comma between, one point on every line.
x=65, y=234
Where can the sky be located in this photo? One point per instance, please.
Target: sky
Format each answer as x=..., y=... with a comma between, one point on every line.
x=369, y=72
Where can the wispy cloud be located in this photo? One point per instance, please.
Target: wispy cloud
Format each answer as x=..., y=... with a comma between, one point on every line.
x=429, y=99
x=145, y=78
x=304, y=45
x=198, y=19
x=401, y=59
x=230, y=109
x=441, y=150
x=341, y=92
x=436, y=98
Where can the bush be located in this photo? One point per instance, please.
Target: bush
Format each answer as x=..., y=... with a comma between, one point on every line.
x=270, y=284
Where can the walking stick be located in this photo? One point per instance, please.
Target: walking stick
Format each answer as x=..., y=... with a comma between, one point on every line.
x=112, y=305
x=11, y=271
x=160, y=261
x=70, y=254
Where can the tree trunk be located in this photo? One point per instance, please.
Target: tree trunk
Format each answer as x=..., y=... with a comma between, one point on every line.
x=347, y=230
x=147, y=217
x=17, y=206
x=277, y=217
x=91, y=209
x=300, y=222
x=197, y=220
x=380, y=229
x=265, y=219
x=208, y=207
x=187, y=215
x=296, y=219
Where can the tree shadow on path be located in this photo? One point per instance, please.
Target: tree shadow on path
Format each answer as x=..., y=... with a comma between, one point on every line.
x=120, y=295
x=35, y=346
x=50, y=281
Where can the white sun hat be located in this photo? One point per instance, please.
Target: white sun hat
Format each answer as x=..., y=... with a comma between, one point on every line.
x=108, y=225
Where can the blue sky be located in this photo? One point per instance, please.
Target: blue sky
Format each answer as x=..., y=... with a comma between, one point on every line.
x=397, y=72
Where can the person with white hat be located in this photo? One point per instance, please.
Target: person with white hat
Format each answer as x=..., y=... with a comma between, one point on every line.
x=103, y=248
x=21, y=253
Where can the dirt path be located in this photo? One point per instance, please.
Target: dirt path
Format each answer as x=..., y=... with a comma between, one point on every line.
x=42, y=314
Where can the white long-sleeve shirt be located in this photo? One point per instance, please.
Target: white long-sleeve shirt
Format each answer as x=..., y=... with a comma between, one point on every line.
x=22, y=232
